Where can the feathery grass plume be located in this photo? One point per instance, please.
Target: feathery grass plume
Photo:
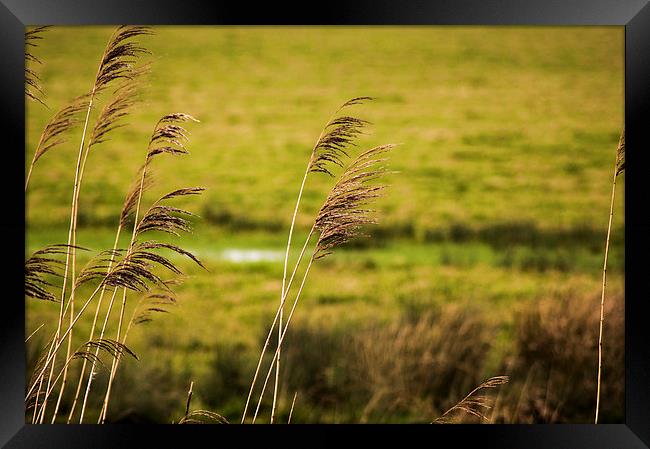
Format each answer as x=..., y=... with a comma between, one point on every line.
x=474, y=404
x=125, y=96
x=203, y=417
x=120, y=56
x=150, y=304
x=135, y=270
x=61, y=122
x=168, y=219
x=33, y=89
x=330, y=148
x=117, y=62
x=339, y=220
x=339, y=134
x=169, y=136
x=199, y=416
x=342, y=216
x=40, y=265
x=89, y=351
x=620, y=155
x=112, y=347
x=619, y=167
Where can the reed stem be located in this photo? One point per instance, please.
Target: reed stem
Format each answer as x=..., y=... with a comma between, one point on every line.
x=602, y=296
x=277, y=313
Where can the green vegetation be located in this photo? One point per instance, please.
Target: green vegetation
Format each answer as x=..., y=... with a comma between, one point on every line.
x=508, y=136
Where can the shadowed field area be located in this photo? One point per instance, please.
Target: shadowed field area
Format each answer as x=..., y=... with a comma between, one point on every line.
x=487, y=257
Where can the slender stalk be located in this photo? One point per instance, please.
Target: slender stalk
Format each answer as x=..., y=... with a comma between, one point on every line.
x=284, y=278
x=292, y=404
x=29, y=175
x=102, y=415
x=32, y=334
x=92, y=331
x=286, y=260
x=277, y=313
x=73, y=214
x=293, y=308
x=114, y=364
x=91, y=376
x=40, y=386
x=71, y=232
x=72, y=280
x=602, y=296
x=189, y=399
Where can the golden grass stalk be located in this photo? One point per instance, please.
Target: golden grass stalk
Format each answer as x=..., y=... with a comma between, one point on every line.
x=339, y=220
x=619, y=167
x=116, y=63
x=275, y=320
x=330, y=148
x=124, y=98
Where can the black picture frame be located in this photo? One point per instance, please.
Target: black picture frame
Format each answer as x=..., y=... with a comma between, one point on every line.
x=634, y=15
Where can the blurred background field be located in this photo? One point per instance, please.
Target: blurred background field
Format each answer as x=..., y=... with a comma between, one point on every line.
x=487, y=259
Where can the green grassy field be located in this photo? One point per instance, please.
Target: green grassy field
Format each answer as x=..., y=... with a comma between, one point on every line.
x=508, y=139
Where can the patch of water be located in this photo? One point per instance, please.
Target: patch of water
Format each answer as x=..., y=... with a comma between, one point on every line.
x=237, y=255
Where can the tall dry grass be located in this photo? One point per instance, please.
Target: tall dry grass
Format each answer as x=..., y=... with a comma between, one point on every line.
x=134, y=270
x=339, y=220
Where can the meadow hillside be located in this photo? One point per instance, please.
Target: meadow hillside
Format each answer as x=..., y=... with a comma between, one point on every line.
x=498, y=208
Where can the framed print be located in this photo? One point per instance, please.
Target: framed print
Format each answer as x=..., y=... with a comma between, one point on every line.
x=366, y=219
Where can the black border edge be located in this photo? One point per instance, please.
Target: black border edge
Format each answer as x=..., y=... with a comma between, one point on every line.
x=12, y=225
x=634, y=14
x=335, y=12
x=637, y=224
